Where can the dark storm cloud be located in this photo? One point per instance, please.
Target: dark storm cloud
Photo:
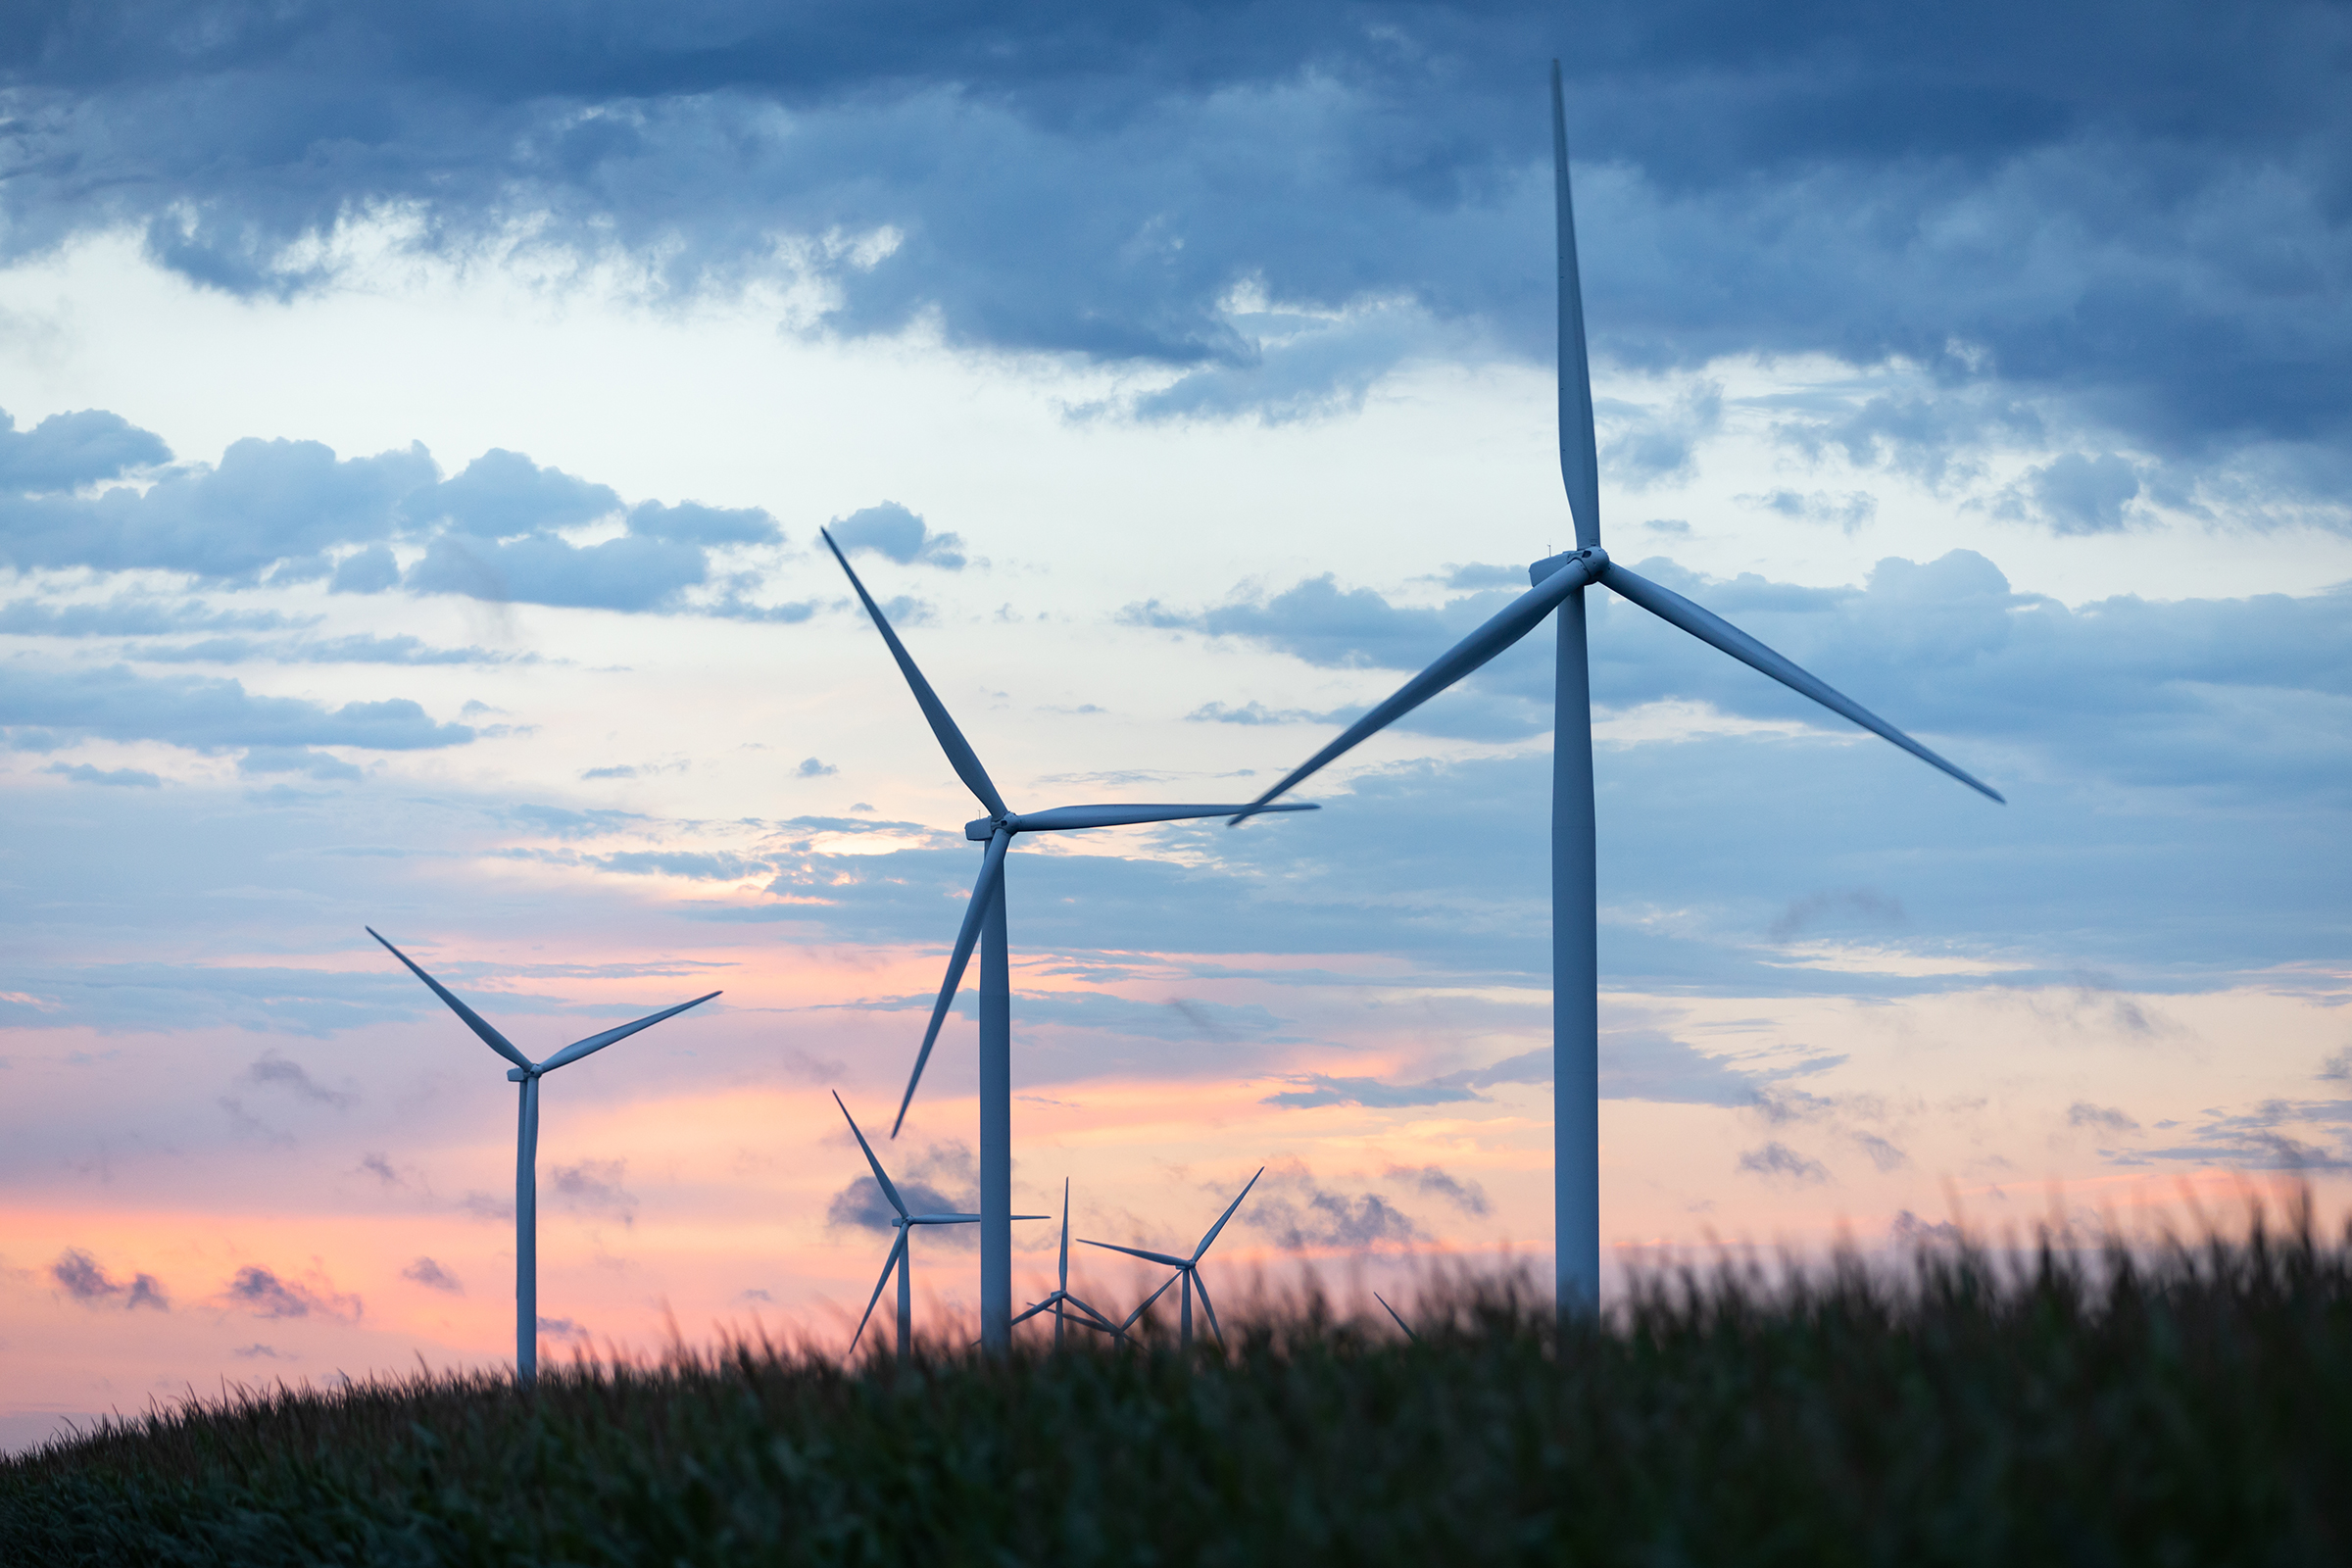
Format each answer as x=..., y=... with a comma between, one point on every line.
x=2133, y=207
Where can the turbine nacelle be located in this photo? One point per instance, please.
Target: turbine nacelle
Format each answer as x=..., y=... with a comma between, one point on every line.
x=1078, y=819
x=1596, y=561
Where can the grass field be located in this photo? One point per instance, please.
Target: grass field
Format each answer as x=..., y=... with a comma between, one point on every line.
x=2182, y=1406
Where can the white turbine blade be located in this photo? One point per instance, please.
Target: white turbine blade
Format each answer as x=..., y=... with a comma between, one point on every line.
x=960, y=755
x=1070, y=819
x=1383, y=1301
x=473, y=1020
x=1709, y=627
x=880, y=1175
x=1579, y=463
x=992, y=867
x=1136, y=1252
x=897, y=1250
x=1066, y=1233
x=1145, y=1304
x=1514, y=622
x=596, y=1043
x=944, y=1219
x=1201, y=1289
x=1025, y=1315
x=1228, y=1214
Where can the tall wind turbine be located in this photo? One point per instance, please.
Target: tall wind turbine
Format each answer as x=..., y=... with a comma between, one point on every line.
x=1559, y=584
x=1188, y=1269
x=901, y=1255
x=984, y=924
x=526, y=1145
x=1060, y=1302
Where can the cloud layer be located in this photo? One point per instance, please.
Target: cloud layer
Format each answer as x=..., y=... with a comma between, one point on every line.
x=1288, y=196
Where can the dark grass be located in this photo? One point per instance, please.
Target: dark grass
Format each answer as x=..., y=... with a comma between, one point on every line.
x=2186, y=1404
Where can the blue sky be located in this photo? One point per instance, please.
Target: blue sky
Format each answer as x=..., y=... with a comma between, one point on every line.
x=418, y=420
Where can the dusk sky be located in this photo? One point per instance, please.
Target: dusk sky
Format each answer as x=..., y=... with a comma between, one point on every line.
x=418, y=420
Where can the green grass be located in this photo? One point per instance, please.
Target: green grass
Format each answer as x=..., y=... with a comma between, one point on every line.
x=2191, y=1404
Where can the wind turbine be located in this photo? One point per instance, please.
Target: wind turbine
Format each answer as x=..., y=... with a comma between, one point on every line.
x=1061, y=1302
x=1399, y=1316
x=1559, y=584
x=902, y=1257
x=526, y=1145
x=984, y=923
x=1188, y=1269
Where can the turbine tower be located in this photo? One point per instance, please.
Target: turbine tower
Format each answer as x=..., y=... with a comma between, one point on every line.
x=984, y=923
x=902, y=1257
x=1188, y=1269
x=1060, y=1302
x=1559, y=584
x=526, y=1145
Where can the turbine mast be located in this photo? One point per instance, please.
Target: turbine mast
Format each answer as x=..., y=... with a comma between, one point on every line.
x=996, y=1129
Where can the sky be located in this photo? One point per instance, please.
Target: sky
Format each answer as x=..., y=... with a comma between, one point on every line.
x=419, y=423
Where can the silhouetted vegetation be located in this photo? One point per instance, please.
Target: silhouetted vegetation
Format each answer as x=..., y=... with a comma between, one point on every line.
x=2186, y=1404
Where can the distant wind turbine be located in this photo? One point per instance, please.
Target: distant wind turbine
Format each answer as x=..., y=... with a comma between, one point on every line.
x=984, y=924
x=1061, y=1304
x=1188, y=1269
x=526, y=1145
x=902, y=1257
x=1559, y=584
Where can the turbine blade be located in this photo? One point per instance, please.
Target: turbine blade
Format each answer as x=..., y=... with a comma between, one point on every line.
x=473, y=1020
x=1066, y=1233
x=946, y=1219
x=1514, y=622
x=1136, y=1252
x=1393, y=1312
x=1708, y=627
x=1201, y=1289
x=960, y=756
x=1145, y=1304
x=1024, y=1316
x=1099, y=1320
x=992, y=867
x=880, y=1175
x=1580, y=462
x=897, y=1249
x=596, y=1043
x=1070, y=819
x=1228, y=1214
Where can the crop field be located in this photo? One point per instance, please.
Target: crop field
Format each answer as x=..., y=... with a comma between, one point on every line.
x=2190, y=1403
